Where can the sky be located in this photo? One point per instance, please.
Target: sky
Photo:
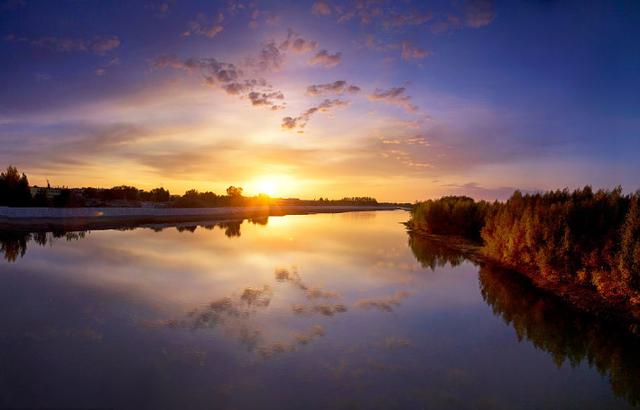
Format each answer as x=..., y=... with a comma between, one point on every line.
x=398, y=100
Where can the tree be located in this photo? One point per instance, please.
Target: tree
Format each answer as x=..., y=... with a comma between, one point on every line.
x=630, y=246
x=234, y=192
x=14, y=188
x=160, y=195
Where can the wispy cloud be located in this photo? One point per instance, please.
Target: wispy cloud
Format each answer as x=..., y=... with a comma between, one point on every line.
x=396, y=96
x=205, y=26
x=321, y=8
x=297, y=44
x=324, y=59
x=336, y=87
x=227, y=77
x=98, y=45
x=269, y=59
x=402, y=19
x=478, y=13
x=412, y=52
x=302, y=120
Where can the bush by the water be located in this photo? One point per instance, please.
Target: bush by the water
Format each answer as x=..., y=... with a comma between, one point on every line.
x=584, y=237
x=450, y=215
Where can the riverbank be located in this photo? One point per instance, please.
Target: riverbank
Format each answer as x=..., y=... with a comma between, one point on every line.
x=73, y=219
x=581, y=297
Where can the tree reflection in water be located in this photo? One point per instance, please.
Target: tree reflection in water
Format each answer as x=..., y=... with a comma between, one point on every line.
x=568, y=335
x=13, y=244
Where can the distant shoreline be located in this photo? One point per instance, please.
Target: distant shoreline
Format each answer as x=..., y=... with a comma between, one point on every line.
x=75, y=219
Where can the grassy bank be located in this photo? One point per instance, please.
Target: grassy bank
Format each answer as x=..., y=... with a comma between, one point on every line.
x=583, y=245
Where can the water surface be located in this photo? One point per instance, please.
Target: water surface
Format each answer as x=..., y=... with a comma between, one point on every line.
x=314, y=311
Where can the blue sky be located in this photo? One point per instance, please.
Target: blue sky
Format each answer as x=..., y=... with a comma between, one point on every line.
x=447, y=97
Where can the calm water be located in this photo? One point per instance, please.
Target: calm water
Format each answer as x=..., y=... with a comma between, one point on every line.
x=316, y=311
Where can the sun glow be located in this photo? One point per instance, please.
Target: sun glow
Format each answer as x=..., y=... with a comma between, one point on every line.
x=272, y=185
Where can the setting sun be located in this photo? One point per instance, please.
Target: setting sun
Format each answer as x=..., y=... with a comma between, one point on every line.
x=272, y=185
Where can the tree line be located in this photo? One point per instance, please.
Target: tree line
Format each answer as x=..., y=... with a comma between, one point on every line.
x=581, y=237
x=16, y=191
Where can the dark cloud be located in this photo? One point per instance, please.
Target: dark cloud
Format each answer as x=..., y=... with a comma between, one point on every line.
x=301, y=120
x=205, y=26
x=395, y=95
x=325, y=59
x=478, y=13
x=336, y=87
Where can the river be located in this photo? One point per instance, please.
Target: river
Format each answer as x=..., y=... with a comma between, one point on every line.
x=310, y=311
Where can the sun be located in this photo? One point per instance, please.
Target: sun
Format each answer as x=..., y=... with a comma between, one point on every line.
x=267, y=186
x=272, y=185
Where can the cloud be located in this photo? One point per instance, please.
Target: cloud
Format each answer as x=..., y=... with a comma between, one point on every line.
x=204, y=26
x=365, y=10
x=324, y=59
x=395, y=96
x=43, y=77
x=227, y=77
x=411, y=18
x=321, y=8
x=411, y=52
x=302, y=120
x=99, y=45
x=408, y=51
x=267, y=99
x=270, y=18
x=479, y=13
x=102, y=70
x=297, y=44
x=105, y=44
x=336, y=87
x=269, y=59
x=444, y=25
x=160, y=8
